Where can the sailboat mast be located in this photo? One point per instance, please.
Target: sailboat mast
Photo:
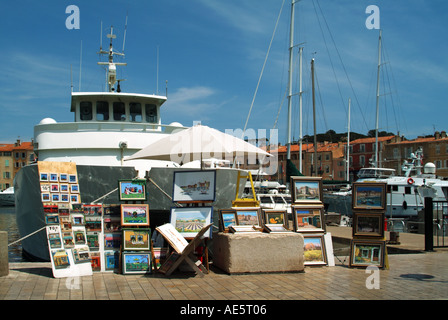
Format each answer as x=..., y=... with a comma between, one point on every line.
x=300, y=108
x=348, y=142
x=377, y=101
x=314, y=117
x=291, y=46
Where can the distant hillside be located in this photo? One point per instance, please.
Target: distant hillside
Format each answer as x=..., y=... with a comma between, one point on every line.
x=332, y=136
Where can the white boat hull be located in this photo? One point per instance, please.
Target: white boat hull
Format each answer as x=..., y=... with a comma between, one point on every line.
x=7, y=197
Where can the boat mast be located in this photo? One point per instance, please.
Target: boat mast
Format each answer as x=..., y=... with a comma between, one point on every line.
x=111, y=74
x=377, y=101
x=300, y=108
x=314, y=117
x=348, y=142
x=291, y=46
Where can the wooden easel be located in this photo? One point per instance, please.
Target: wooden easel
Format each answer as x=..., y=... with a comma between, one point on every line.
x=245, y=202
x=183, y=251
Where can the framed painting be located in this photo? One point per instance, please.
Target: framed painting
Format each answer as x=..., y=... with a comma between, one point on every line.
x=243, y=229
x=81, y=254
x=136, y=239
x=54, y=241
x=52, y=218
x=308, y=218
x=55, y=197
x=272, y=217
x=78, y=219
x=134, y=215
x=132, y=189
x=44, y=177
x=60, y=259
x=112, y=240
x=188, y=221
x=136, y=262
x=74, y=198
x=95, y=258
x=364, y=253
x=63, y=177
x=369, y=195
x=45, y=197
x=79, y=236
x=306, y=190
x=227, y=219
x=193, y=186
x=111, y=259
x=314, y=250
x=74, y=188
x=368, y=224
x=275, y=228
x=248, y=216
x=72, y=178
x=92, y=209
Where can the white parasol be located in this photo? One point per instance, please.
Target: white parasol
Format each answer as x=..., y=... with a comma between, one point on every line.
x=197, y=143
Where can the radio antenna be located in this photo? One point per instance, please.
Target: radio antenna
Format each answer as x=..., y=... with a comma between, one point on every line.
x=125, y=27
x=101, y=35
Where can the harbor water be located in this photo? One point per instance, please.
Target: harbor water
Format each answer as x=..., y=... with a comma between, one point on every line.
x=8, y=223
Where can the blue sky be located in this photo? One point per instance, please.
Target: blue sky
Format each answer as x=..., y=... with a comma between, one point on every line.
x=212, y=52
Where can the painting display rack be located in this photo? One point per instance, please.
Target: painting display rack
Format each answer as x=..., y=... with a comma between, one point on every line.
x=368, y=244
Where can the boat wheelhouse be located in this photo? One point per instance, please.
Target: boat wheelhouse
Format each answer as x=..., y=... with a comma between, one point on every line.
x=107, y=127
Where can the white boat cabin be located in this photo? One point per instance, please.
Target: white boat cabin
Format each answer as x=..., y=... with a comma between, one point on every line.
x=117, y=107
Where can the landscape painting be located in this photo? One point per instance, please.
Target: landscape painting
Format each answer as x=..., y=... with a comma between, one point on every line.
x=136, y=239
x=136, y=263
x=188, y=221
x=367, y=253
x=191, y=186
x=228, y=219
x=132, y=189
x=314, y=250
x=306, y=189
x=247, y=217
x=134, y=215
x=369, y=196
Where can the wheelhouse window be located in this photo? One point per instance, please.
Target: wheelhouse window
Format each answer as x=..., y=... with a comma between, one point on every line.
x=135, y=112
x=119, y=111
x=102, y=111
x=85, y=108
x=151, y=113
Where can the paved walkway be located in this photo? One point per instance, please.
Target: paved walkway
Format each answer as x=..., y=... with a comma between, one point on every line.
x=410, y=276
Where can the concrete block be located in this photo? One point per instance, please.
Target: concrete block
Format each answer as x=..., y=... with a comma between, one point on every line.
x=258, y=252
x=4, y=260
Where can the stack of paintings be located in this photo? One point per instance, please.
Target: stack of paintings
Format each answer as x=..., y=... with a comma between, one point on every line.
x=252, y=220
x=58, y=183
x=66, y=231
x=112, y=235
x=193, y=191
x=136, y=255
x=368, y=246
x=308, y=218
x=68, y=241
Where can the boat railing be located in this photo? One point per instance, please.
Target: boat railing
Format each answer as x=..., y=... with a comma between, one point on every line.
x=396, y=224
x=107, y=126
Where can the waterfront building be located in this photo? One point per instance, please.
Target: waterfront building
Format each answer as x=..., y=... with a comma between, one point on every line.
x=13, y=157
